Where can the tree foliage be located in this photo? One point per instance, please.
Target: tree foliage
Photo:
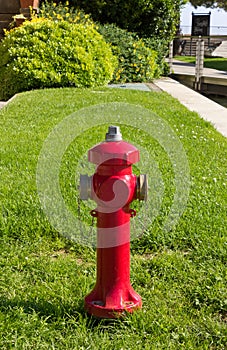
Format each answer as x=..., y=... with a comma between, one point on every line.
x=148, y=18
x=209, y=3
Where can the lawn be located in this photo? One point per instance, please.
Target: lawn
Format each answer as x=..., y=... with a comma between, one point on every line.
x=211, y=62
x=179, y=270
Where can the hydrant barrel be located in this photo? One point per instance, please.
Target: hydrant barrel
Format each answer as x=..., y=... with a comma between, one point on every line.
x=113, y=187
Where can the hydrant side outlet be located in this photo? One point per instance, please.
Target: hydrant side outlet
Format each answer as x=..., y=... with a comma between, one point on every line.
x=113, y=187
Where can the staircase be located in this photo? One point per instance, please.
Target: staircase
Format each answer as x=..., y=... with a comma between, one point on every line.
x=189, y=46
x=8, y=9
x=5, y=19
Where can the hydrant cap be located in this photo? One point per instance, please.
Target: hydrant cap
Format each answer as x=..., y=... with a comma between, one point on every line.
x=113, y=151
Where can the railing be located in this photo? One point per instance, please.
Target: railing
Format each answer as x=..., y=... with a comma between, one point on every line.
x=214, y=30
x=198, y=65
x=185, y=44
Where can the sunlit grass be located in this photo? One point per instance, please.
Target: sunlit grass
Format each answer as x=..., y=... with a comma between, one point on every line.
x=211, y=62
x=181, y=274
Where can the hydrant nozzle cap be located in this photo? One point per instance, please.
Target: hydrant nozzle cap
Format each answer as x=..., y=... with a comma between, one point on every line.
x=113, y=134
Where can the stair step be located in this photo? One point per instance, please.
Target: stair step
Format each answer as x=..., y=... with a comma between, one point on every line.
x=190, y=45
x=4, y=24
x=7, y=16
x=10, y=6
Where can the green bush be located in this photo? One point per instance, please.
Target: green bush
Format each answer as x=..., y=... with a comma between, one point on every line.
x=44, y=53
x=162, y=49
x=136, y=61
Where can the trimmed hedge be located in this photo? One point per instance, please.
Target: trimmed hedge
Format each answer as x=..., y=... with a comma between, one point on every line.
x=45, y=53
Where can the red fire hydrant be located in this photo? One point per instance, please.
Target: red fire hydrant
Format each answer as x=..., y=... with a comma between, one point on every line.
x=113, y=187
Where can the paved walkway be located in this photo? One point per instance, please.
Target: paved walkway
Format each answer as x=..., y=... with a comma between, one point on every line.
x=221, y=50
x=207, y=109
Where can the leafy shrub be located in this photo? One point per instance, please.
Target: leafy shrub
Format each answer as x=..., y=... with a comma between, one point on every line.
x=162, y=49
x=136, y=62
x=155, y=21
x=44, y=53
x=130, y=50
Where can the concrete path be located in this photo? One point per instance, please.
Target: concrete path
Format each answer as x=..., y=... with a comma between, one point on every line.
x=221, y=50
x=207, y=109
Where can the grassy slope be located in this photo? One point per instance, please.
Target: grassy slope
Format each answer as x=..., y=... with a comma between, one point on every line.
x=181, y=274
x=215, y=63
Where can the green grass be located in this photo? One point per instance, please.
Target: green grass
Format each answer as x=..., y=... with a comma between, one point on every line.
x=180, y=274
x=215, y=63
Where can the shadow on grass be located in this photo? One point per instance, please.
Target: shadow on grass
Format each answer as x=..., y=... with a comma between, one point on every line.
x=43, y=308
x=218, y=64
x=52, y=312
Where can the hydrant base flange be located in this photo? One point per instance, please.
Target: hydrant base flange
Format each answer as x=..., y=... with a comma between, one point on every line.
x=113, y=295
x=96, y=309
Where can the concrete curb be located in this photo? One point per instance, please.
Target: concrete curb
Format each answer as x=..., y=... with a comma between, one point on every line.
x=207, y=109
x=5, y=103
